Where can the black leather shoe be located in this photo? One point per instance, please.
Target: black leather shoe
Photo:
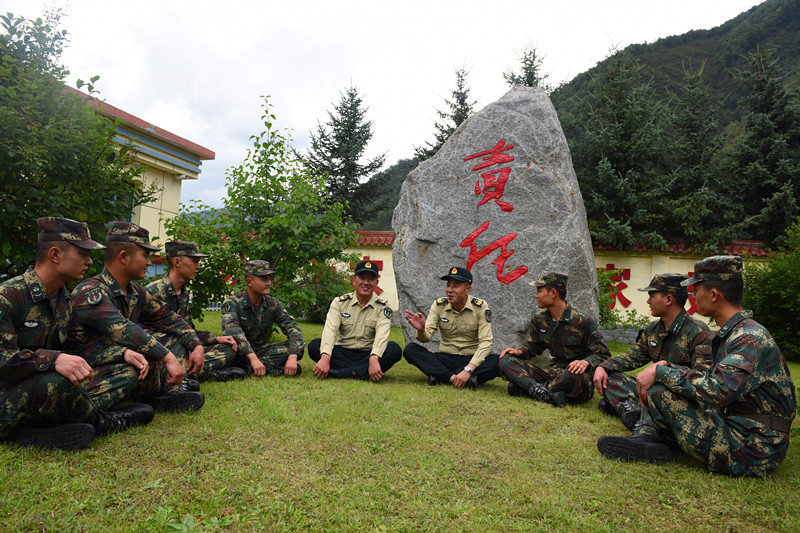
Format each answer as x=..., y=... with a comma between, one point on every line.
x=514, y=390
x=223, y=374
x=72, y=436
x=135, y=414
x=433, y=381
x=636, y=448
x=558, y=399
x=179, y=401
x=472, y=382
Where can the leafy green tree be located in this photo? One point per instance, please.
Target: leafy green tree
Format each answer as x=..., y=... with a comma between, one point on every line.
x=459, y=110
x=766, y=159
x=57, y=155
x=530, y=73
x=337, y=151
x=276, y=210
x=772, y=291
x=619, y=152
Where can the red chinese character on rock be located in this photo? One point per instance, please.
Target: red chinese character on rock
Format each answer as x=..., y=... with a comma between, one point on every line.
x=502, y=243
x=617, y=295
x=494, y=182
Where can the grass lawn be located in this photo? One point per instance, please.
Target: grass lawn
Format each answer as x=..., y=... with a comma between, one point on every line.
x=343, y=455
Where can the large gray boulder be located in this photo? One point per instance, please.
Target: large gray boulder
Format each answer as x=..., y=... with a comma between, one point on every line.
x=540, y=202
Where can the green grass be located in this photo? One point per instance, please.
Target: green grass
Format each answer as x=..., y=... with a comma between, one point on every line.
x=309, y=455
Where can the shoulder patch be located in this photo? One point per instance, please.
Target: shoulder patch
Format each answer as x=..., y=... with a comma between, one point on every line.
x=478, y=302
x=387, y=312
x=226, y=307
x=442, y=300
x=344, y=297
x=94, y=295
x=488, y=314
x=381, y=301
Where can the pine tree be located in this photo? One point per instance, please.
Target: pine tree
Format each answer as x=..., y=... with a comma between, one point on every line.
x=766, y=159
x=460, y=108
x=336, y=153
x=530, y=74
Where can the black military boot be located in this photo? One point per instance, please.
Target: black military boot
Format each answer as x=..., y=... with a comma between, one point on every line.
x=540, y=393
x=605, y=406
x=178, y=401
x=629, y=413
x=135, y=414
x=72, y=436
x=636, y=448
x=223, y=374
x=514, y=390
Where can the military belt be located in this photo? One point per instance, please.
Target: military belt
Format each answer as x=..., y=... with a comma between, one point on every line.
x=771, y=421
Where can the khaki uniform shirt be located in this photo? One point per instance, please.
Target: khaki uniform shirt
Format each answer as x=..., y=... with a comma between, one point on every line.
x=465, y=332
x=358, y=328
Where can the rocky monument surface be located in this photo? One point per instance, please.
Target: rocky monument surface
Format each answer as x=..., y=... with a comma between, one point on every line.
x=500, y=198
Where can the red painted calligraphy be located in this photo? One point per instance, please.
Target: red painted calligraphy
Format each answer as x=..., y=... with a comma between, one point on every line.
x=617, y=295
x=502, y=243
x=494, y=182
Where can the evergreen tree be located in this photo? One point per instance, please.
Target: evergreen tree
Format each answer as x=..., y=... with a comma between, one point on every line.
x=459, y=110
x=336, y=153
x=530, y=73
x=619, y=152
x=766, y=159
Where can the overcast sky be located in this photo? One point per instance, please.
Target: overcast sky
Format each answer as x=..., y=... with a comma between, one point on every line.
x=199, y=68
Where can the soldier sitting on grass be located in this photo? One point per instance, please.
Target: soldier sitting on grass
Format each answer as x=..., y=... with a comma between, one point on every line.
x=248, y=318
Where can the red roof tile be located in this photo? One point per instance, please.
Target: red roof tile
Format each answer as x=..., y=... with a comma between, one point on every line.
x=735, y=247
x=375, y=238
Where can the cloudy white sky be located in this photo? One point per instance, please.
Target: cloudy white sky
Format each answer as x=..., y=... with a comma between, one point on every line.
x=199, y=68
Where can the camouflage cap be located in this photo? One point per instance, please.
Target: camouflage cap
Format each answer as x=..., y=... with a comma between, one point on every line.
x=120, y=231
x=670, y=283
x=556, y=280
x=257, y=267
x=182, y=248
x=716, y=268
x=366, y=266
x=53, y=229
x=460, y=274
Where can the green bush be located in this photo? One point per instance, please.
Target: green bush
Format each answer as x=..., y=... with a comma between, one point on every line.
x=327, y=285
x=772, y=291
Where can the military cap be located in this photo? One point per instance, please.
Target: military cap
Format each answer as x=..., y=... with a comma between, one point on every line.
x=366, y=266
x=670, y=283
x=182, y=248
x=53, y=229
x=257, y=267
x=556, y=280
x=460, y=274
x=120, y=231
x=716, y=268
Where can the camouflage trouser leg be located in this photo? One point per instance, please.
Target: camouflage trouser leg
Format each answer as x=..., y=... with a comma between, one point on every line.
x=152, y=385
x=273, y=356
x=41, y=399
x=112, y=384
x=621, y=387
x=218, y=356
x=578, y=387
x=705, y=434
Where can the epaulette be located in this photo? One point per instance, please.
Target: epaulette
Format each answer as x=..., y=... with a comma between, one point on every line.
x=381, y=301
x=442, y=300
x=477, y=301
x=344, y=297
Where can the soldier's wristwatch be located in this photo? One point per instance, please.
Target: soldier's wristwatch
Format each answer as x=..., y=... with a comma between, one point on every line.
x=468, y=369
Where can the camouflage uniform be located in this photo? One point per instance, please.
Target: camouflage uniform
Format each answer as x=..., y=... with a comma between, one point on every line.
x=735, y=416
x=116, y=318
x=217, y=355
x=34, y=329
x=687, y=343
x=465, y=338
x=250, y=325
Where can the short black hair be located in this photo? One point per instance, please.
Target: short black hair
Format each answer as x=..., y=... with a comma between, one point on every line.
x=680, y=299
x=731, y=289
x=114, y=248
x=561, y=292
x=43, y=248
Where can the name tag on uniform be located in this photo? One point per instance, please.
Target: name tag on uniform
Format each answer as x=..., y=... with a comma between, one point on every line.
x=543, y=330
x=443, y=319
x=653, y=343
x=31, y=324
x=346, y=315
